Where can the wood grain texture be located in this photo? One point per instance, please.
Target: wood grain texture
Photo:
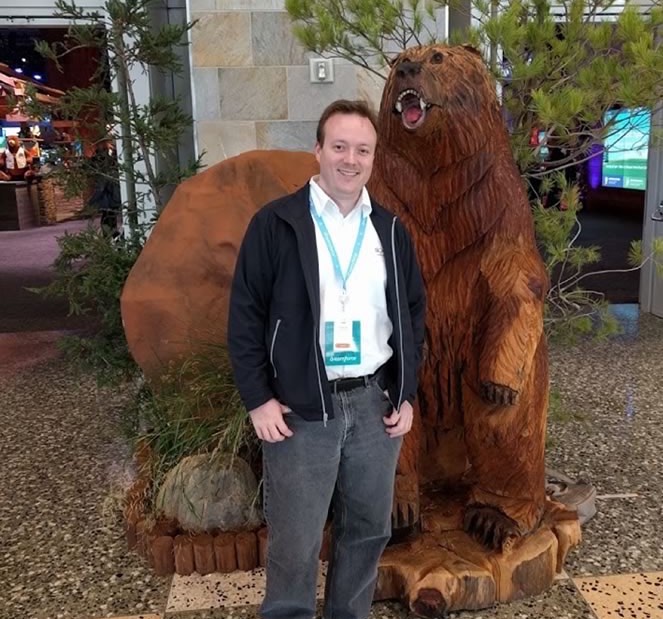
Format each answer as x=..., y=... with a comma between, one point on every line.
x=484, y=382
x=444, y=569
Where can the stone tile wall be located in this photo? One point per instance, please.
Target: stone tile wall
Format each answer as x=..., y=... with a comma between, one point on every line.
x=251, y=80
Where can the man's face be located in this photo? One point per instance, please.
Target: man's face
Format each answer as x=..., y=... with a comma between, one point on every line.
x=346, y=157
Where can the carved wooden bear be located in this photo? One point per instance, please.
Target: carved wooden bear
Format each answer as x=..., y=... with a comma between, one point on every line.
x=444, y=166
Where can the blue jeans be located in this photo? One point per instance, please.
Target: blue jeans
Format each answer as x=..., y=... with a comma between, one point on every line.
x=350, y=465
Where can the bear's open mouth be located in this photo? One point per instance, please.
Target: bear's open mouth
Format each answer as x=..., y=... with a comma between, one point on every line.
x=412, y=108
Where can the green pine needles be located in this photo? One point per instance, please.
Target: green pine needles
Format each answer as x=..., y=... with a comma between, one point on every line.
x=93, y=266
x=559, y=68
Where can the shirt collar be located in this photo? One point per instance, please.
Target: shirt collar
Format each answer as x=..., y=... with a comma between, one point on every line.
x=322, y=202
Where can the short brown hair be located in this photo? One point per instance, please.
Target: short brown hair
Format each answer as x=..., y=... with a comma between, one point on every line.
x=344, y=106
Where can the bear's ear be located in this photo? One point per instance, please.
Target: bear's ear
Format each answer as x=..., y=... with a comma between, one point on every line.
x=391, y=60
x=472, y=49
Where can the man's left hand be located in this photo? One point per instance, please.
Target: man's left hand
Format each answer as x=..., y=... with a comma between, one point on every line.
x=400, y=421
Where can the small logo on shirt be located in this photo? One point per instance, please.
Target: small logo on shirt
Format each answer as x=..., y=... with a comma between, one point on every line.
x=379, y=251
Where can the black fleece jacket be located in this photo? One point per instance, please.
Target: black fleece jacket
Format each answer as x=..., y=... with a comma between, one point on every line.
x=274, y=315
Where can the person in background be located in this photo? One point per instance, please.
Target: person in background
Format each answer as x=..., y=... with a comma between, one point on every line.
x=25, y=131
x=325, y=334
x=106, y=197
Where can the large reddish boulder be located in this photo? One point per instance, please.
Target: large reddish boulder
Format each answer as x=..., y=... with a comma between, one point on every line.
x=175, y=300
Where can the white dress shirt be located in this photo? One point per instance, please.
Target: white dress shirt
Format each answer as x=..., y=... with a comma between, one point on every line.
x=366, y=287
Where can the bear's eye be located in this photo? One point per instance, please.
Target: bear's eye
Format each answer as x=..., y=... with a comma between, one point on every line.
x=437, y=58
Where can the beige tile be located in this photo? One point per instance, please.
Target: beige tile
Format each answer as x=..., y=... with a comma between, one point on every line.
x=202, y=5
x=221, y=39
x=306, y=101
x=206, y=93
x=370, y=85
x=221, y=140
x=626, y=596
x=253, y=93
x=223, y=590
x=250, y=5
x=286, y=134
x=273, y=41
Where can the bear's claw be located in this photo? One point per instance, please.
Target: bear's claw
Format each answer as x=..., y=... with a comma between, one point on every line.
x=498, y=394
x=489, y=526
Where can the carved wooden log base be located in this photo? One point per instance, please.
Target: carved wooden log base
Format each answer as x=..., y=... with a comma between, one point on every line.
x=246, y=547
x=443, y=569
x=203, y=554
x=163, y=558
x=184, y=557
x=224, y=552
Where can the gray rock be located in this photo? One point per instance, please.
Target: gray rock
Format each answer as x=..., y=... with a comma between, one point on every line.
x=204, y=493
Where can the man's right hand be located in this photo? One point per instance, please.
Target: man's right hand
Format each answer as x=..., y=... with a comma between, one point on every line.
x=269, y=423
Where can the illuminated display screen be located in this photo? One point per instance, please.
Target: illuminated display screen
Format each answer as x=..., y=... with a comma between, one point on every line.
x=625, y=148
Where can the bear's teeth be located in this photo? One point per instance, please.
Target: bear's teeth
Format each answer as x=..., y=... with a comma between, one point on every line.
x=409, y=91
x=399, y=105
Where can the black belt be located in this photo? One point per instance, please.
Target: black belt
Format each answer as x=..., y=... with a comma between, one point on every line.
x=347, y=384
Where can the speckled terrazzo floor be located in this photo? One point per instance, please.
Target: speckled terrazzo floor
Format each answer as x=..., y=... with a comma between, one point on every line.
x=62, y=555
x=615, y=389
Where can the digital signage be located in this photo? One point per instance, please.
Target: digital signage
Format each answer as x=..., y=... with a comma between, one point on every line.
x=626, y=147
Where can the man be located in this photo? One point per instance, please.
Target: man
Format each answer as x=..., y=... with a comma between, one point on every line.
x=325, y=334
x=106, y=197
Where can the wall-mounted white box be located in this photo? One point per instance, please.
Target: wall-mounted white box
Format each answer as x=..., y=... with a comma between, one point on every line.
x=321, y=70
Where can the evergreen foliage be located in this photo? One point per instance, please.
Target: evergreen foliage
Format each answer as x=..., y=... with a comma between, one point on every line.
x=92, y=265
x=559, y=68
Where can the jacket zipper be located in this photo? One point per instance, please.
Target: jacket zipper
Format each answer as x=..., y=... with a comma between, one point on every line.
x=398, y=309
x=316, y=345
x=271, y=348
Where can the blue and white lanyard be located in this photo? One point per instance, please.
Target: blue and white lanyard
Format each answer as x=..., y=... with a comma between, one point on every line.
x=343, y=279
